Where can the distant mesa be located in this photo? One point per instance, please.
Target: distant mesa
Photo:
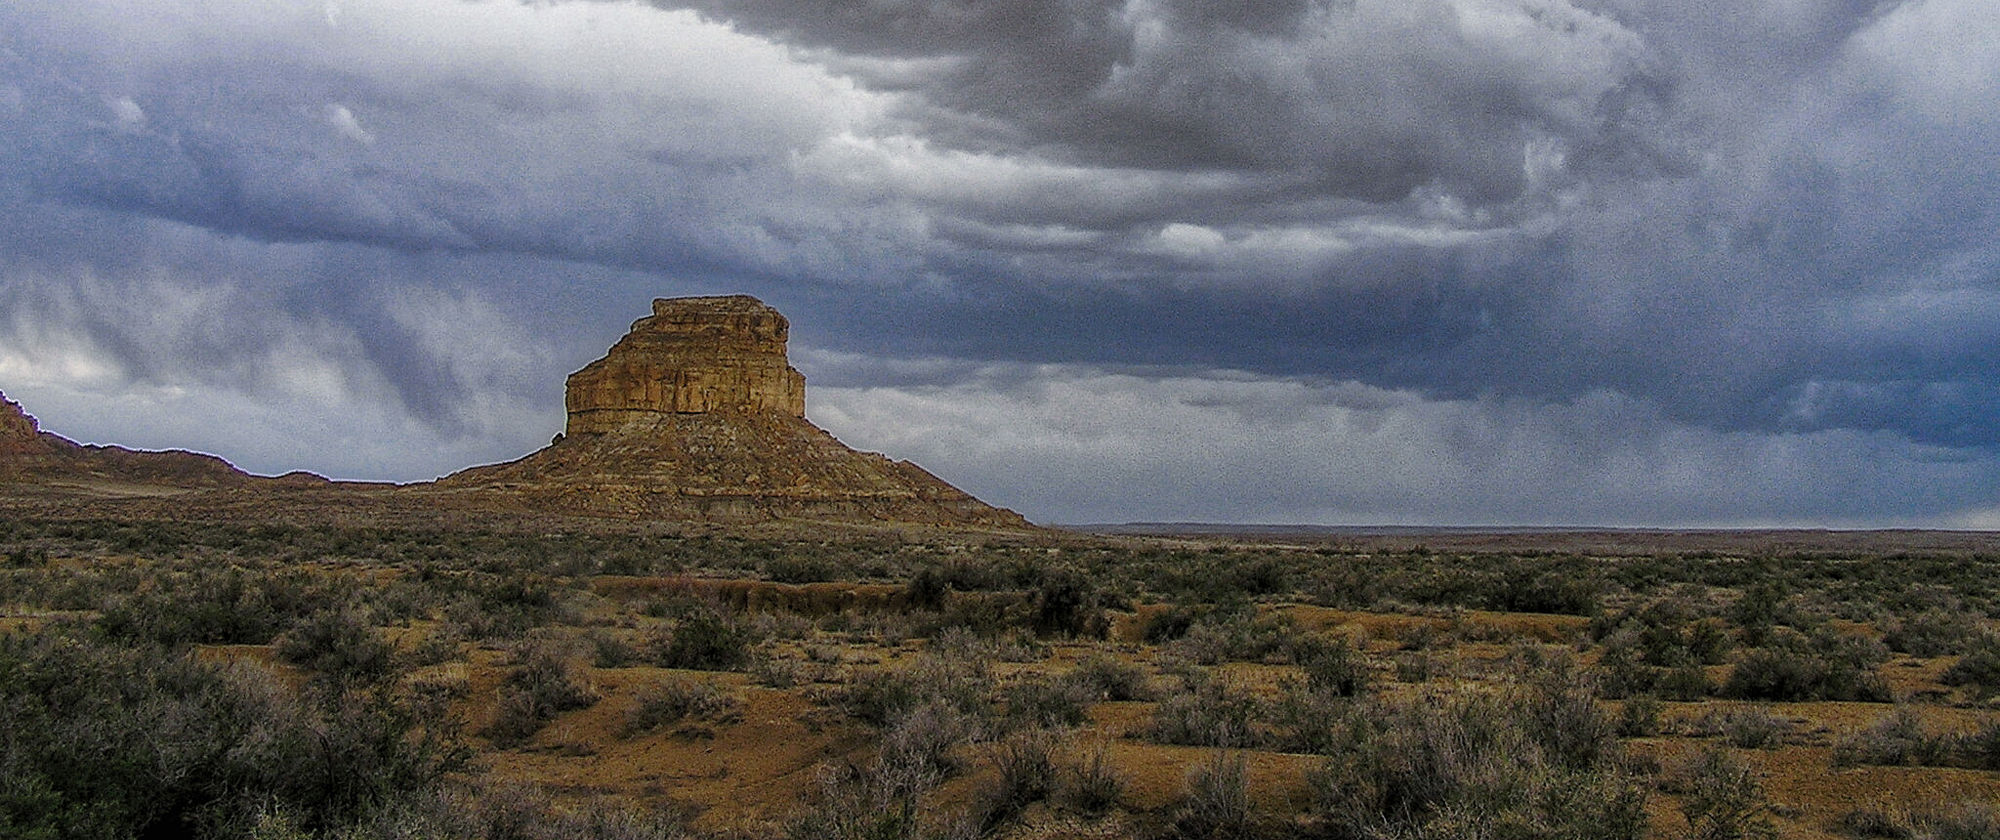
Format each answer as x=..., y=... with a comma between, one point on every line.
x=28, y=454
x=696, y=414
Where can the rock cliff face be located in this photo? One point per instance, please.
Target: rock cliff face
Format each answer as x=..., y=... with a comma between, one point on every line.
x=18, y=431
x=28, y=454
x=696, y=415
x=704, y=355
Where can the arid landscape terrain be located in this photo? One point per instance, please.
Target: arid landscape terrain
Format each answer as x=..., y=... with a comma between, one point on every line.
x=696, y=616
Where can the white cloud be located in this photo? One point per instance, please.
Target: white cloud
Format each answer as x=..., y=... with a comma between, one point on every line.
x=126, y=115
x=1942, y=56
x=343, y=120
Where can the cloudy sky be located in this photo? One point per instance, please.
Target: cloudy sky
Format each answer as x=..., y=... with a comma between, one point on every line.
x=1585, y=262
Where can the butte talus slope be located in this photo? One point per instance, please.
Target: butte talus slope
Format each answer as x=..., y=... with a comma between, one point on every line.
x=697, y=415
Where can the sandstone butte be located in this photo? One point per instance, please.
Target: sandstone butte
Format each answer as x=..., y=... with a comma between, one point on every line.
x=696, y=414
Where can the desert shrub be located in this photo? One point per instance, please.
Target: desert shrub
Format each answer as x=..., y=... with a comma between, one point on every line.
x=1025, y=773
x=1334, y=668
x=1757, y=610
x=1207, y=643
x=32, y=557
x=1527, y=586
x=1217, y=803
x=1898, y=738
x=1966, y=821
x=1670, y=631
x=702, y=638
x=502, y=812
x=961, y=682
x=1969, y=821
x=787, y=625
x=1299, y=719
x=801, y=568
x=434, y=686
x=779, y=672
x=1978, y=669
x=1092, y=784
x=1470, y=764
x=1753, y=728
x=982, y=613
x=544, y=684
x=89, y=753
x=231, y=606
x=1066, y=603
x=864, y=803
x=1558, y=711
x=1104, y=677
x=1640, y=718
x=1238, y=636
x=610, y=651
x=1415, y=666
x=672, y=700
x=1343, y=585
x=1620, y=673
x=1685, y=684
x=1018, y=647
x=1981, y=748
x=509, y=604
x=1722, y=799
x=1824, y=666
x=437, y=646
x=927, y=589
x=1211, y=713
x=1042, y=702
x=339, y=644
x=1933, y=632
x=1172, y=623
x=1873, y=822
x=923, y=741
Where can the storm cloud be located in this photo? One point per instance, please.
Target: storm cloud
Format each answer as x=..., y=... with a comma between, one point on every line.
x=1546, y=261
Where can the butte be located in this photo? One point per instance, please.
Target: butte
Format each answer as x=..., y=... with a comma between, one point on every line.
x=697, y=415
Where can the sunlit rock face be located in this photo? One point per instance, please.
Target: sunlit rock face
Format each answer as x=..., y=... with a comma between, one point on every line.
x=695, y=415
x=703, y=355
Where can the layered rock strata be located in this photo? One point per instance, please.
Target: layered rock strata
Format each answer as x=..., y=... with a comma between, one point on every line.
x=696, y=414
x=703, y=355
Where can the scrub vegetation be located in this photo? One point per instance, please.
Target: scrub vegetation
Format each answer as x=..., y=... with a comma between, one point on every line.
x=172, y=679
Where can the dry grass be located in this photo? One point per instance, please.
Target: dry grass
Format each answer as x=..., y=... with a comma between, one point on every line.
x=946, y=702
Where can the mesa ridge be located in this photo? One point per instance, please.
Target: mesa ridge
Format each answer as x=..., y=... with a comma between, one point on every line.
x=696, y=414
x=695, y=417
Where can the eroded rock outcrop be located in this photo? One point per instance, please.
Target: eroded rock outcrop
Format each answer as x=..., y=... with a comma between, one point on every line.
x=702, y=355
x=696, y=414
x=18, y=430
x=29, y=454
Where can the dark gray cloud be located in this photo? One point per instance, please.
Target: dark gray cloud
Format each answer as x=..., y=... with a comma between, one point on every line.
x=1448, y=260
x=1362, y=100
